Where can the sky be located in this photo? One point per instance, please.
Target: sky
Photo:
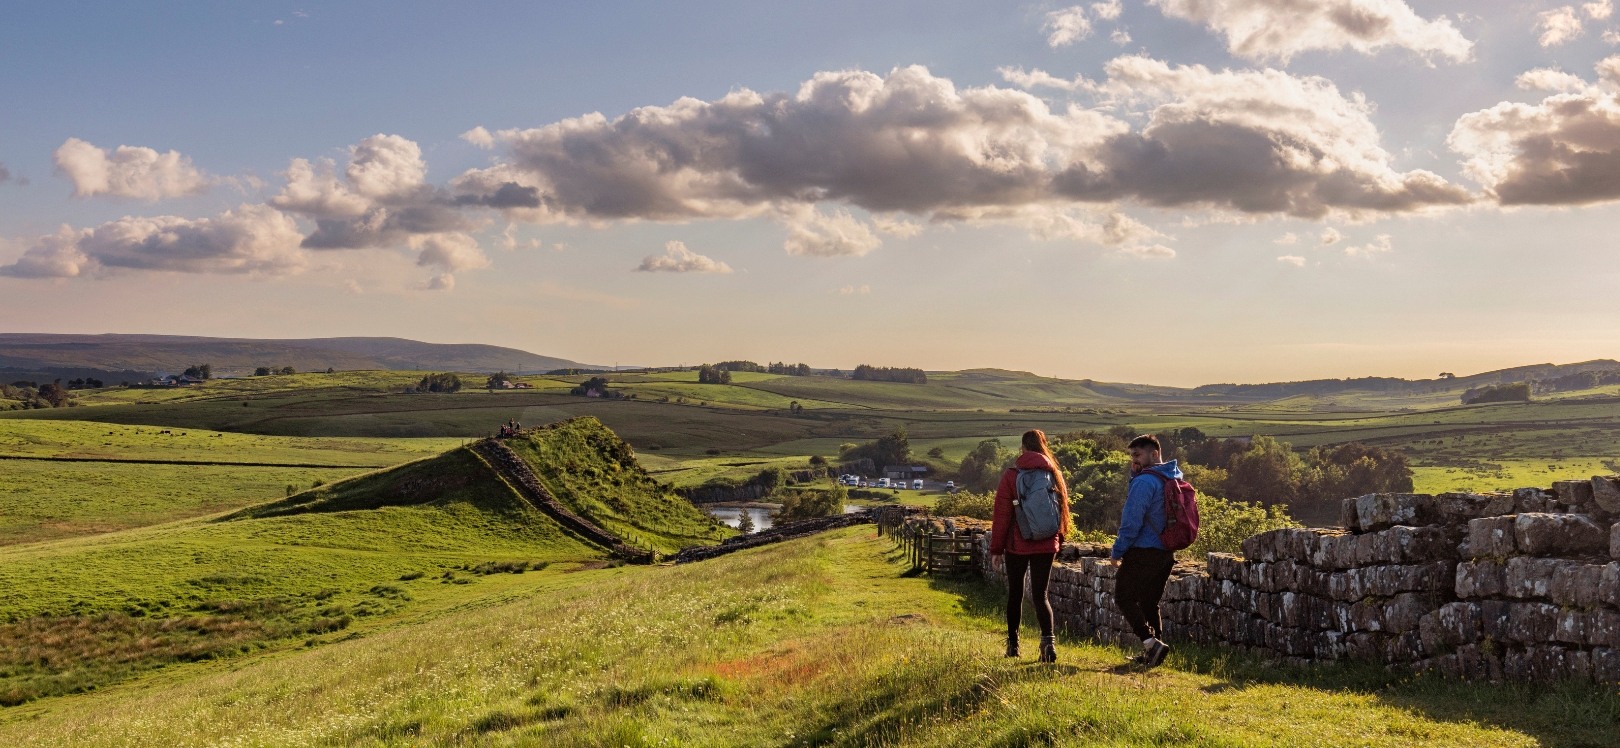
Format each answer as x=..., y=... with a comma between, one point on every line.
x=1173, y=192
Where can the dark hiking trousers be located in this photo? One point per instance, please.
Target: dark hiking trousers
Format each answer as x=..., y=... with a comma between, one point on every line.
x=1039, y=566
x=1138, y=587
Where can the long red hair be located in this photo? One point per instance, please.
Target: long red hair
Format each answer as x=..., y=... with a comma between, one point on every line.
x=1035, y=441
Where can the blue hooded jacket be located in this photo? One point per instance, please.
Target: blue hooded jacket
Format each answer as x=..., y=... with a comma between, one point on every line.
x=1143, y=518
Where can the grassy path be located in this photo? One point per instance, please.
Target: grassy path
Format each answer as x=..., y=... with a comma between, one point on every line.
x=817, y=642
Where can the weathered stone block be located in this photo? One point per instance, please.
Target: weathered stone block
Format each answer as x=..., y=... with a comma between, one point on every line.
x=1459, y=508
x=1458, y=623
x=1477, y=579
x=1406, y=647
x=1532, y=500
x=1347, y=515
x=1493, y=619
x=1418, y=545
x=1542, y=534
x=1381, y=510
x=1614, y=541
x=1491, y=536
x=1577, y=585
x=1606, y=665
x=1606, y=493
x=1571, y=627
x=1403, y=611
x=1531, y=623
x=1609, y=586
x=1531, y=577
x=1224, y=566
x=1602, y=628
x=1476, y=664
x=1572, y=493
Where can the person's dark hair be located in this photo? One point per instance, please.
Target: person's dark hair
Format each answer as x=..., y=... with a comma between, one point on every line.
x=1035, y=441
x=1145, y=441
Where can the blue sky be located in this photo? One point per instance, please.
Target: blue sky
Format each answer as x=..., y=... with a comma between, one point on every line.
x=1433, y=229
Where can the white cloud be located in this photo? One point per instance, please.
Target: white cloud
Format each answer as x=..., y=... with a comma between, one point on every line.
x=479, y=137
x=454, y=252
x=1562, y=151
x=510, y=241
x=1599, y=10
x=1067, y=25
x=382, y=198
x=1611, y=36
x=897, y=226
x=129, y=171
x=1549, y=79
x=1280, y=29
x=441, y=282
x=1294, y=260
x=1107, y=11
x=251, y=239
x=1254, y=142
x=1288, y=238
x=816, y=234
x=852, y=290
x=1331, y=236
x=1379, y=245
x=1039, y=78
x=1149, y=251
x=1558, y=25
x=1120, y=37
x=678, y=259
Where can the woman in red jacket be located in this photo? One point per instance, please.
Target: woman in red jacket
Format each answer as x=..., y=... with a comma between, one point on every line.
x=1033, y=556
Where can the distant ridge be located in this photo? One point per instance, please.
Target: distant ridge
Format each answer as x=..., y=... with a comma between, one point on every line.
x=129, y=354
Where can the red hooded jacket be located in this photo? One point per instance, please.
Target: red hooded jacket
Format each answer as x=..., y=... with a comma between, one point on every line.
x=1004, y=535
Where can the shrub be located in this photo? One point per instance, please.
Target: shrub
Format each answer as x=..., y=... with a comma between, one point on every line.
x=981, y=468
x=818, y=460
x=965, y=504
x=804, y=503
x=1498, y=393
x=263, y=371
x=889, y=374
x=1224, y=524
x=445, y=382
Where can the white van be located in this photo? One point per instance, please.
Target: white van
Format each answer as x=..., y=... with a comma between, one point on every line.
x=916, y=484
x=883, y=483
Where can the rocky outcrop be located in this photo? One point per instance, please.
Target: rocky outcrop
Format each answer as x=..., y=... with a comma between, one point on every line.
x=517, y=472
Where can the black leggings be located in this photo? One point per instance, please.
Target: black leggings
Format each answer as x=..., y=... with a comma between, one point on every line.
x=1040, y=571
x=1138, y=587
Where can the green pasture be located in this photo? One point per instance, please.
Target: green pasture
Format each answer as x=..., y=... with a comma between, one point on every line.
x=822, y=641
x=47, y=500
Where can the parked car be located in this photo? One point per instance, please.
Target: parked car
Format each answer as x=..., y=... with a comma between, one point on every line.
x=916, y=484
x=950, y=485
x=883, y=483
x=863, y=483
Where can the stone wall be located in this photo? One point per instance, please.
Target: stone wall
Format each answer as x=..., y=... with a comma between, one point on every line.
x=1496, y=586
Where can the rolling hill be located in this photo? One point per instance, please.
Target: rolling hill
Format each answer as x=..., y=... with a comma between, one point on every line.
x=115, y=357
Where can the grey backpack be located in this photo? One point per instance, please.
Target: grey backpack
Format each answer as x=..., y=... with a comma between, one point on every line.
x=1037, y=505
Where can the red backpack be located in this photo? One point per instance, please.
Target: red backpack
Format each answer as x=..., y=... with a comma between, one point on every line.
x=1180, y=514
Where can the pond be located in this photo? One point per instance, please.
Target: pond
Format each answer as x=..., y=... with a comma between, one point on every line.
x=731, y=515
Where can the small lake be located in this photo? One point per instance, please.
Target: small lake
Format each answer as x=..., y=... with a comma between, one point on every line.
x=732, y=515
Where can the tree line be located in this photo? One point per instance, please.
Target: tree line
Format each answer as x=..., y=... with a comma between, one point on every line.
x=889, y=374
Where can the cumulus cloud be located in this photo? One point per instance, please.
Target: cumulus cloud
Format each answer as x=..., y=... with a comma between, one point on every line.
x=479, y=137
x=1288, y=238
x=1253, y=142
x=1379, y=245
x=453, y=252
x=510, y=241
x=897, y=226
x=1563, y=151
x=852, y=290
x=1107, y=11
x=1331, y=236
x=1557, y=26
x=1149, y=251
x=1550, y=79
x=1067, y=26
x=678, y=259
x=1280, y=29
x=441, y=282
x=1599, y=10
x=382, y=198
x=129, y=171
x=815, y=233
x=1120, y=37
x=1611, y=36
x=251, y=239
x=1294, y=260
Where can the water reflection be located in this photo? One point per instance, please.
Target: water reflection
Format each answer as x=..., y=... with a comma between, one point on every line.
x=732, y=516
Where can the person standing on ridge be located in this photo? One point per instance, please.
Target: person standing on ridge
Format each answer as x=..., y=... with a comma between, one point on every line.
x=1144, y=563
x=1031, y=517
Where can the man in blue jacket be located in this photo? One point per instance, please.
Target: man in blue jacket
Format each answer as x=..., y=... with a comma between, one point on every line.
x=1144, y=564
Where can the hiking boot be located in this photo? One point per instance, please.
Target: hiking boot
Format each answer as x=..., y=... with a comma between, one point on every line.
x=1012, y=645
x=1155, y=653
x=1048, y=650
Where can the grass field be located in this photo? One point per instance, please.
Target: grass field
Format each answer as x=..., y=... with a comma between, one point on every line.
x=823, y=641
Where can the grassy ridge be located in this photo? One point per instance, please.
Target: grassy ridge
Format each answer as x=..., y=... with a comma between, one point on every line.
x=817, y=642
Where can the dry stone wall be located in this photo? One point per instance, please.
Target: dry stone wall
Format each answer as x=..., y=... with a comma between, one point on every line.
x=1521, y=585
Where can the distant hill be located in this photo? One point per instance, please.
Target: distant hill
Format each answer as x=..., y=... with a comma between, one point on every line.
x=116, y=357
x=1277, y=390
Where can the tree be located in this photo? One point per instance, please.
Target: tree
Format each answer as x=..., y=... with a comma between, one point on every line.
x=981, y=468
x=445, y=382
x=54, y=393
x=894, y=449
x=745, y=520
x=1223, y=525
x=936, y=453
x=1266, y=474
x=1097, y=478
x=713, y=375
x=802, y=503
x=200, y=371
x=496, y=380
x=288, y=371
x=889, y=374
x=599, y=385
x=263, y=371
x=1498, y=393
